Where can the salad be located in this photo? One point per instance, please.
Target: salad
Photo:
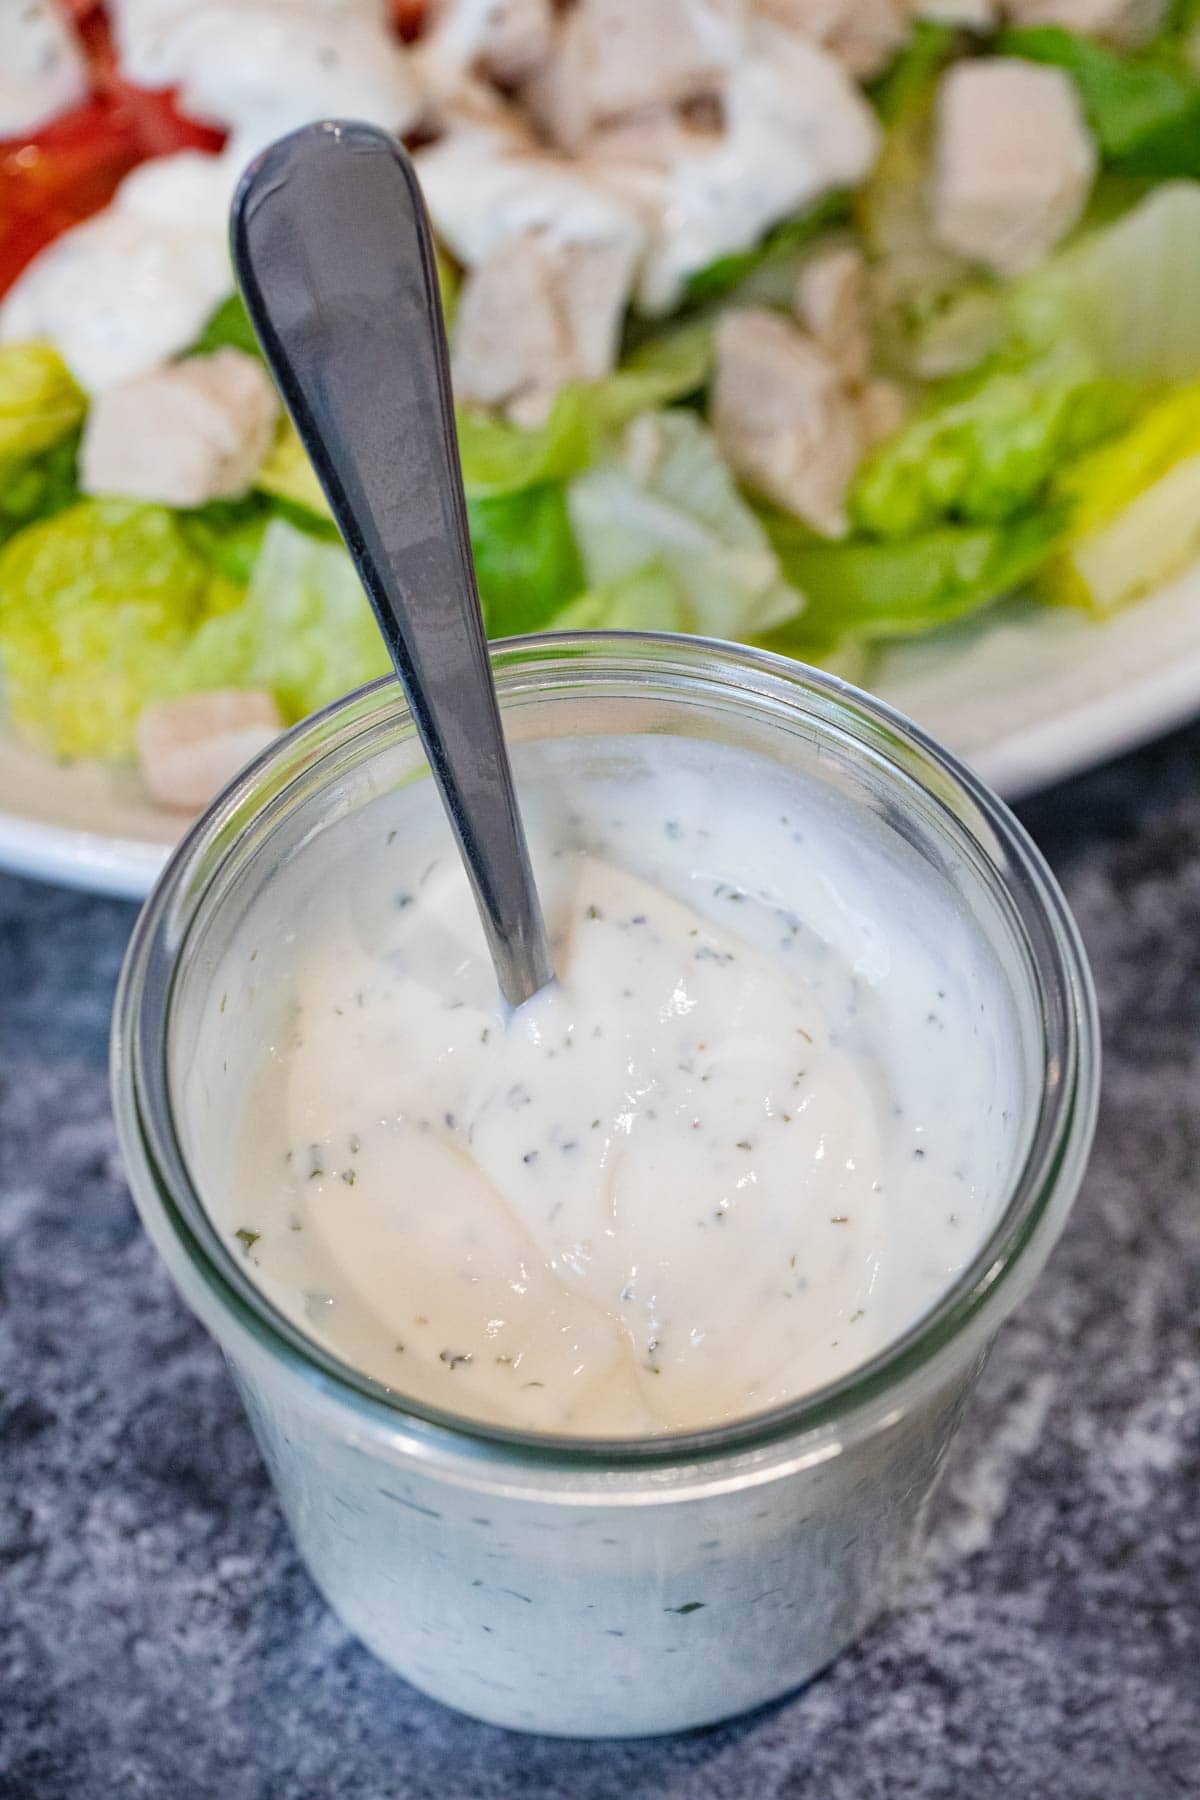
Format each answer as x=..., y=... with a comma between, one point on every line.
x=812, y=323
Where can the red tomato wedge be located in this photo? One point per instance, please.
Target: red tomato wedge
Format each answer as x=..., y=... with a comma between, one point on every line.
x=71, y=167
x=408, y=16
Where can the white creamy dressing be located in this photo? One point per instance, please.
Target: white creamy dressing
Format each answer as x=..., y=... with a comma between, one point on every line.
x=134, y=285
x=260, y=68
x=795, y=127
x=763, y=1117
x=43, y=71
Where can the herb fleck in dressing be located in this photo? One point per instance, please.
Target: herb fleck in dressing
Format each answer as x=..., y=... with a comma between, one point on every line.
x=661, y=1194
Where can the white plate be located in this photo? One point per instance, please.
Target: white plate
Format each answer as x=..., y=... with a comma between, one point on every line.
x=1026, y=695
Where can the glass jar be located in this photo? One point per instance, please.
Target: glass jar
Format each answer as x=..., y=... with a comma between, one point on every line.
x=557, y=1584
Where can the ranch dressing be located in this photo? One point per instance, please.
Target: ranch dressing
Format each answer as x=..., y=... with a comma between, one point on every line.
x=744, y=1142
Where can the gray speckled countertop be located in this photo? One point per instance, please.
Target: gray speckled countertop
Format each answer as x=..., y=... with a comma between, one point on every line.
x=159, y=1638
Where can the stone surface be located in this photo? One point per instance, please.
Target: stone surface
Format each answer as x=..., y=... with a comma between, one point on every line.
x=158, y=1636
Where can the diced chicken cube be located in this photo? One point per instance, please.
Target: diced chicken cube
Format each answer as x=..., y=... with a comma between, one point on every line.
x=613, y=57
x=1123, y=22
x=784, y=418
x=43, y=70
x=881, y=410
x=189, y=748
x=794, y=127
x=864, y=35
x=1013, y=162
x=193, y=432
x=831, y=301
x=503, y=39
x=534, y=315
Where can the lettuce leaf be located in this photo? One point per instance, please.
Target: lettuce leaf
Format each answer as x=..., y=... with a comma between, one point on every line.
x=1145, y=117
x=229, y=328
x=868, y=592
x=1135, y=510
x=97, y=606
x=526, y=562
x=499, y=458
x=666, y=498
x=229, y=533
x=982, y=450
x=304, y=630
x=39, y=486
x=780, y=245
x=647, y=599
x=1129, y=294
x=39, y=401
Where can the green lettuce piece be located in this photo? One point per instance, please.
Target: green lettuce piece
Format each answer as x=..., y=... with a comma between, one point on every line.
x=667, y=367
x=1129, y=294
x=720, y=278
x=914, y=276
x=904, y=86
x=982, y=451
x=229, y=533
x=875, y=591
x=39, y=402
x=228, y=328
x=500, y=458
x=667, y=498
x=1135, y=510
x=526, y=562
x=304, y=630
x=97, y=605
x=1145, y=117
x=39, y=486
x=647, y=599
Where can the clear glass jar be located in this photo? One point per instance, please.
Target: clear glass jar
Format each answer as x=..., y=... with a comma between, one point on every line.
x=555, y=1584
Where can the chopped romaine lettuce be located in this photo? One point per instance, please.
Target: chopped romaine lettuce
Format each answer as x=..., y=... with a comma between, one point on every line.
x=526, y=562
x=666, y=497
x=913, y=273
x=904, y=86
x=499, y=458
x=647, y=599
x=229, y=533
x=1145, y=117
x=982, y=450
x=719, y=280
x=1135, y=510
x=39, y=402
x=39, y=486
x=875, y=591
x=96, y=608
x=1128, y=294
x=304, y=630
x=229, y=328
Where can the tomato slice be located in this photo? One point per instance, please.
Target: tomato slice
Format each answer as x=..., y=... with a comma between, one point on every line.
x=408, y=16
x=60, y=175
x=70, y=168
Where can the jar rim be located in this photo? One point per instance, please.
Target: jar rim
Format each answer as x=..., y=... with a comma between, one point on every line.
x=971, y=1306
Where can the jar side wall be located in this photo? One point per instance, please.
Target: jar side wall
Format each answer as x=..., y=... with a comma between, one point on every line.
x=595, y=1620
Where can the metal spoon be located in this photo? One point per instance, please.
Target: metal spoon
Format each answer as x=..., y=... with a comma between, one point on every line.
x=333, y=254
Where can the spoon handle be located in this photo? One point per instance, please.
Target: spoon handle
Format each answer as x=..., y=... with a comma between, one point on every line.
x=333, y=254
